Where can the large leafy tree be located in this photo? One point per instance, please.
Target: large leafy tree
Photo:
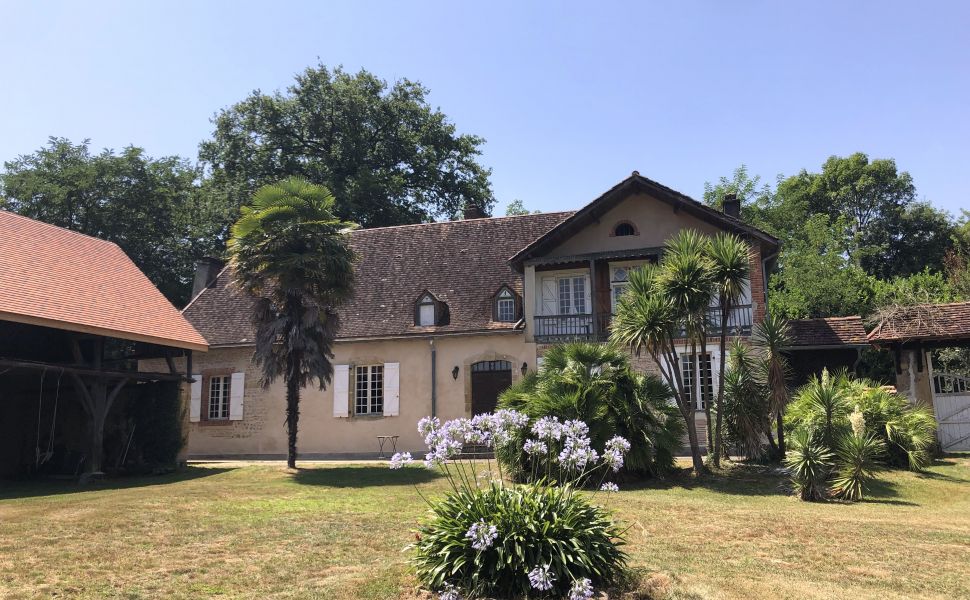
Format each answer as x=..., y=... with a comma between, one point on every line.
x=387, y=156
x=291, y=254
x=150, y=207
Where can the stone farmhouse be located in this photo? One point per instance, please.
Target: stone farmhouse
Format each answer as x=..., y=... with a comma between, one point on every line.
x=447, y=315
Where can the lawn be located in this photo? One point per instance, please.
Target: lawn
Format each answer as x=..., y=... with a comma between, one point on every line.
x=337, y=531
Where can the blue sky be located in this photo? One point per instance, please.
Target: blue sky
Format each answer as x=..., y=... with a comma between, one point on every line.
x=571, y=97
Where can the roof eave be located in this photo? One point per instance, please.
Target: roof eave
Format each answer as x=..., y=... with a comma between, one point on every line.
x=104, y=331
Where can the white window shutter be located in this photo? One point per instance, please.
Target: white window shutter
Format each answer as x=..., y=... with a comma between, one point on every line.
x=237, y=389
x=549, y=299
x=195, y=398
x=392, y=389
x=341, y=386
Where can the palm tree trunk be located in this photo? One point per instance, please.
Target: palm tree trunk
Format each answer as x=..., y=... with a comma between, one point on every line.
x=781, y=435
x=695, y=448
x=719, y=409
x=292, y=416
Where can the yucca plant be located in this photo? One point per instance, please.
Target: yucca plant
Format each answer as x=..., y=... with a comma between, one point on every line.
x=746, y=402
x=810, y=464
x=729, y=266
x=772, y=336
x=857, y=453
x=821, y=406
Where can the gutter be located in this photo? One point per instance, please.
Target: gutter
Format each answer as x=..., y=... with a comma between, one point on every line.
x=434, y=377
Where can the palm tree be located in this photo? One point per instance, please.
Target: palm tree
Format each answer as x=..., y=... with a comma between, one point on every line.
x=291, y=254
x=660, y=302
x=773, y=335
x=730, y=263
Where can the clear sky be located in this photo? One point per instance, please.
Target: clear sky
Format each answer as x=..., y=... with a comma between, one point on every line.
x=571, y=97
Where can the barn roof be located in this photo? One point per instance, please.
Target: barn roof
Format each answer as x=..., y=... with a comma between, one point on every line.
x=924, y=323
x=828, y=332
x=54, y=277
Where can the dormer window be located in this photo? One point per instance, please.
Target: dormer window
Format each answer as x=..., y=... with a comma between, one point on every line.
x=624, y=228
x=426, y=311
x=505, y=306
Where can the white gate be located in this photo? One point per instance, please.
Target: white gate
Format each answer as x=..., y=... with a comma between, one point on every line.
x=951, y=401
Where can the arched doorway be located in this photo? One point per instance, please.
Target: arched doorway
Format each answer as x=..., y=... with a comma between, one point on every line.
x=489, y=379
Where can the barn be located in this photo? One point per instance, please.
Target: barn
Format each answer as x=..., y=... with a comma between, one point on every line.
x=76, y=316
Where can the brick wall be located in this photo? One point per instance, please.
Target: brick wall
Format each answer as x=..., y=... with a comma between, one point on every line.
x=758, y=299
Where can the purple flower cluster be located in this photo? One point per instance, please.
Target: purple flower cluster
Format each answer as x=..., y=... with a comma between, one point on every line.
x=582, y=589
x=445, y=441
x=482, y=535
x=400, y=459
x=541, y=579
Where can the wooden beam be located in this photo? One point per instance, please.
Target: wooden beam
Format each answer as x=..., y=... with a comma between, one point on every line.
x=87, y=371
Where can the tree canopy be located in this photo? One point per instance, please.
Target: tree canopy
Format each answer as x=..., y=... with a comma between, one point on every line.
x=387, y=156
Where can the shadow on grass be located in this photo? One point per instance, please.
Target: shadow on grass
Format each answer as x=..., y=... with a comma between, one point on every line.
x=739, y=479
x=880, y=491
x=50, y=487
x=948, y=462
x=364, y=476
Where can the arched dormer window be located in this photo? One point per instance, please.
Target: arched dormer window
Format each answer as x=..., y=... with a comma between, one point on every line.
x=428, y=310
x=505, y=306
x=624, y=228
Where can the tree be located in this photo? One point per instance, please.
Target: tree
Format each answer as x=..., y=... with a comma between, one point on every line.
x=150, y=207
x=661, y=305
x=291, y=254
x=387, y=156
x=759, y=206
x=730, y=263
x=917, y=239
x=817, y=277
x=772, y=336
x=517, y=208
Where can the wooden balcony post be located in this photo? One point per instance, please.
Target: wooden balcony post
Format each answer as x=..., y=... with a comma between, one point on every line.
x=595, y=325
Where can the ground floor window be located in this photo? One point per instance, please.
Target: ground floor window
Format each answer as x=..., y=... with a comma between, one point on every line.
x=369, y=390
x=694, y=368
x=219, y=397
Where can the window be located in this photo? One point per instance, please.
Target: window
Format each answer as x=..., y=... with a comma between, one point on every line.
x=624, y=229
x=505, y=306
x=691, y=371
x=218, y=398
x=572, y=295
x=426, y=311
x=491, y=365
x=369, y=390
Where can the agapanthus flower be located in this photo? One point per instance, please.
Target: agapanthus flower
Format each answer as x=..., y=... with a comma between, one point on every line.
x=613, y=459
x=618, y=443
x=541, y=579
x=609, y=487
x=575, y=429
x=428, y=425
x=449, y=593
x=547, y=428
x=534, y=447
x=582, y=589
x=577, y=453
x=482, y=535
x=400, y=459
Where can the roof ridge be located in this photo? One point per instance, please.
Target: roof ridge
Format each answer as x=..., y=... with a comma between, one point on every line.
x=64, y=229
x=460, y=221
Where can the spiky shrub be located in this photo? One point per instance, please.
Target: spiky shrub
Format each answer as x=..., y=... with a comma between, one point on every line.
x=810, y=464
x=825, y=404
x=857, y=453
x=746, y=407
x=491, y=538
x=549, y=528
x=594, y=383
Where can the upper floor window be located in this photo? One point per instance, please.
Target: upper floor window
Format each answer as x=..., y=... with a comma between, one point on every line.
x=572, y=295
x=369, y=390
x=505, y=306
x=426, y=311
x=624, y=228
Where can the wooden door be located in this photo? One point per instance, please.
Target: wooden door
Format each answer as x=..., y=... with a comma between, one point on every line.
x=489, y=379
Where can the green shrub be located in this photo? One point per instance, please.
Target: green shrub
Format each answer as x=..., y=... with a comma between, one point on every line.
x=810, y=464
x=857, y=453
x=825, y=404
x=535, y=526
x=747, y=414
x=594, y=383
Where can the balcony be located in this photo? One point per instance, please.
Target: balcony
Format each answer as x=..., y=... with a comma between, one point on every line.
x=557, y=329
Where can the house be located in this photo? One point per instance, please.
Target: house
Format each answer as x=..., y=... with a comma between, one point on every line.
x=75, y=316
x=446, y=315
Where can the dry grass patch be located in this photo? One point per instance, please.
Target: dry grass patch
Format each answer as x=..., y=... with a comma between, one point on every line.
x=337, y=531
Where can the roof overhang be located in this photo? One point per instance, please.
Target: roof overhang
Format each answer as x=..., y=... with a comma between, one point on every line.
x=636, y=183
x=102, y=331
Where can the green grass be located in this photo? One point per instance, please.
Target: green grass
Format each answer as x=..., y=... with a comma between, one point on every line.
x=337, y=531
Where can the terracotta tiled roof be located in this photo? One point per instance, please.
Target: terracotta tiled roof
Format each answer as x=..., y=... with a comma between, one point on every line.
x=58, y=278
x=463, y=263
x=925, y=322
x=830, y=331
